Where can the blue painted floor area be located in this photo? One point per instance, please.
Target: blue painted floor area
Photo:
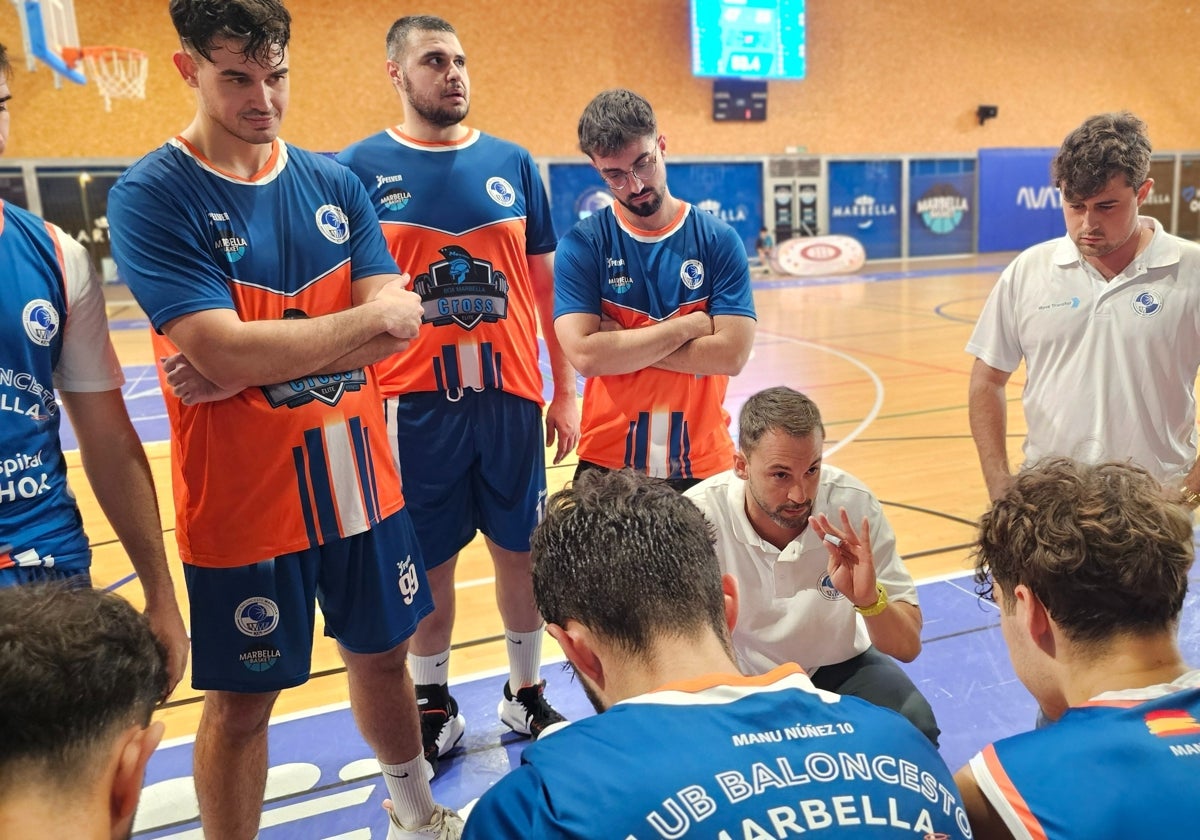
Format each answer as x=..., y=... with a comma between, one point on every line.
x=324, y=783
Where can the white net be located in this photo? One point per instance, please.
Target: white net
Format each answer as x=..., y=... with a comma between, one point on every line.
x=119, y=72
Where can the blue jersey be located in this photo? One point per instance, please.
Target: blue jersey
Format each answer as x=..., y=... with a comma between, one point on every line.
x=666, y=424
x=285, y=467
x=54, y=333
x=1109, y=769
x=462, y=218
x=728, y=758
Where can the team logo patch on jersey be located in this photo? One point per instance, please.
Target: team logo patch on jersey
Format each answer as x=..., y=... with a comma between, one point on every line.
x=408, y=581
x=333, y=224
x=692, y=274
x=230, y=244
x=501, y=192
x=327, y=388
x=259, y=657
x=828, y=591
x=41, y=321
x=396, y=200
x=618, y=280
x=1147, y=303
x=462, y=290
x=256, y=616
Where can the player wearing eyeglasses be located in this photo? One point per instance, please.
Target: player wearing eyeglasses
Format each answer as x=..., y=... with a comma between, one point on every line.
x=652, y=303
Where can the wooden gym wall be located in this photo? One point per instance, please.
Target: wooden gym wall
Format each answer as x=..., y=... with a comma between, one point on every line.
x=885, y=76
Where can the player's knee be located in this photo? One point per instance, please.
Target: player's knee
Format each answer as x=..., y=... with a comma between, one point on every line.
x=239, y=714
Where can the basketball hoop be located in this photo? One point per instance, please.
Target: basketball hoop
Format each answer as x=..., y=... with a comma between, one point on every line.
x=119, y=72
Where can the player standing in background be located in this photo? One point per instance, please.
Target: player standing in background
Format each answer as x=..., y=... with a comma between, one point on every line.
x=262, y=263
x=467, y=214
x=653, y=305
x=55, y=337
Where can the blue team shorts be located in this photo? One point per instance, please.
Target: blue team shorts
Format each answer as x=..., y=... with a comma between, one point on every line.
x=19, y=575
x=252, y=626
x=476, y=464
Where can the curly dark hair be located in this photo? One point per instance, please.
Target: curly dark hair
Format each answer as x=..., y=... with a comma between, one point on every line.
x=1104, y=146
x=258, y=27
x=1100, y=545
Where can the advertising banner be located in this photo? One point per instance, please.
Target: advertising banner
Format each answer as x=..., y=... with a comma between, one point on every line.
x=864, y=202
x=1018, y=206
x=941, y=207
x=730, y=191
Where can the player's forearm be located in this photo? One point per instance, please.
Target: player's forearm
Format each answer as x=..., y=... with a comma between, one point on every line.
x=374, y=350
x=237, y=354
x=562, y=372
x=120, y=477
x=709, y=355
x=612, y=352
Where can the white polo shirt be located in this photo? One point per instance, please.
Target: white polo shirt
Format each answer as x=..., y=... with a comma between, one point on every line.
x=789, y=610
x=1110, y=366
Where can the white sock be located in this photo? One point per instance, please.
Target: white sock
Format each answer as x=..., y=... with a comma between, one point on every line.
x=430, y=670
x=412, y=798
x=524, y=658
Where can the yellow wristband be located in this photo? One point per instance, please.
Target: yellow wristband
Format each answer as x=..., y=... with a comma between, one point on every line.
x=879, y=606
x=1190, y=497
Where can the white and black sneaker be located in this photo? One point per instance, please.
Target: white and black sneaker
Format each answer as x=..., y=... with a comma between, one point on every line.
x=442, y=725
x=528, y=713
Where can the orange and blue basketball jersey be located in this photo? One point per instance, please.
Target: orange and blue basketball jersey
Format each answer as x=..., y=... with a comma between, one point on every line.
x=284, y=467
x=1109, y=768
x=462, y=219
x=666, y=424
x=40, y=523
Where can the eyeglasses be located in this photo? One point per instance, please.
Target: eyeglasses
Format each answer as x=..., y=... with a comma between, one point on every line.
x=618, y=179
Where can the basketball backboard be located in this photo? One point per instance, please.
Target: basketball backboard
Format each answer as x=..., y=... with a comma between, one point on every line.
x=49, y=35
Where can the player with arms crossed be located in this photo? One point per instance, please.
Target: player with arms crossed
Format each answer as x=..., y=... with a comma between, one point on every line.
x=264, y=266
x=653, y=305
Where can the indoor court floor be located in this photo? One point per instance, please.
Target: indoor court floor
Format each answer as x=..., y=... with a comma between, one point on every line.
x=881, y=352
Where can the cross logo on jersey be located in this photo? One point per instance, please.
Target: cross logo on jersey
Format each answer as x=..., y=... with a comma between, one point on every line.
x=326, y=387
x=462, y=290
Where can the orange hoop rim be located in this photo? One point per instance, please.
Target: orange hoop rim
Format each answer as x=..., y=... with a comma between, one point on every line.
x=72, y=55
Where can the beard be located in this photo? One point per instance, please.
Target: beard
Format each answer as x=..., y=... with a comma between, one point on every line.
x=784, y=516
x=590, y=691
x=434, y=112
x=647, y=208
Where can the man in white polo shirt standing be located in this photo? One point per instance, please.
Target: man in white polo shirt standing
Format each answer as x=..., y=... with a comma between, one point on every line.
x=844, y=608
x=1107, y=321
